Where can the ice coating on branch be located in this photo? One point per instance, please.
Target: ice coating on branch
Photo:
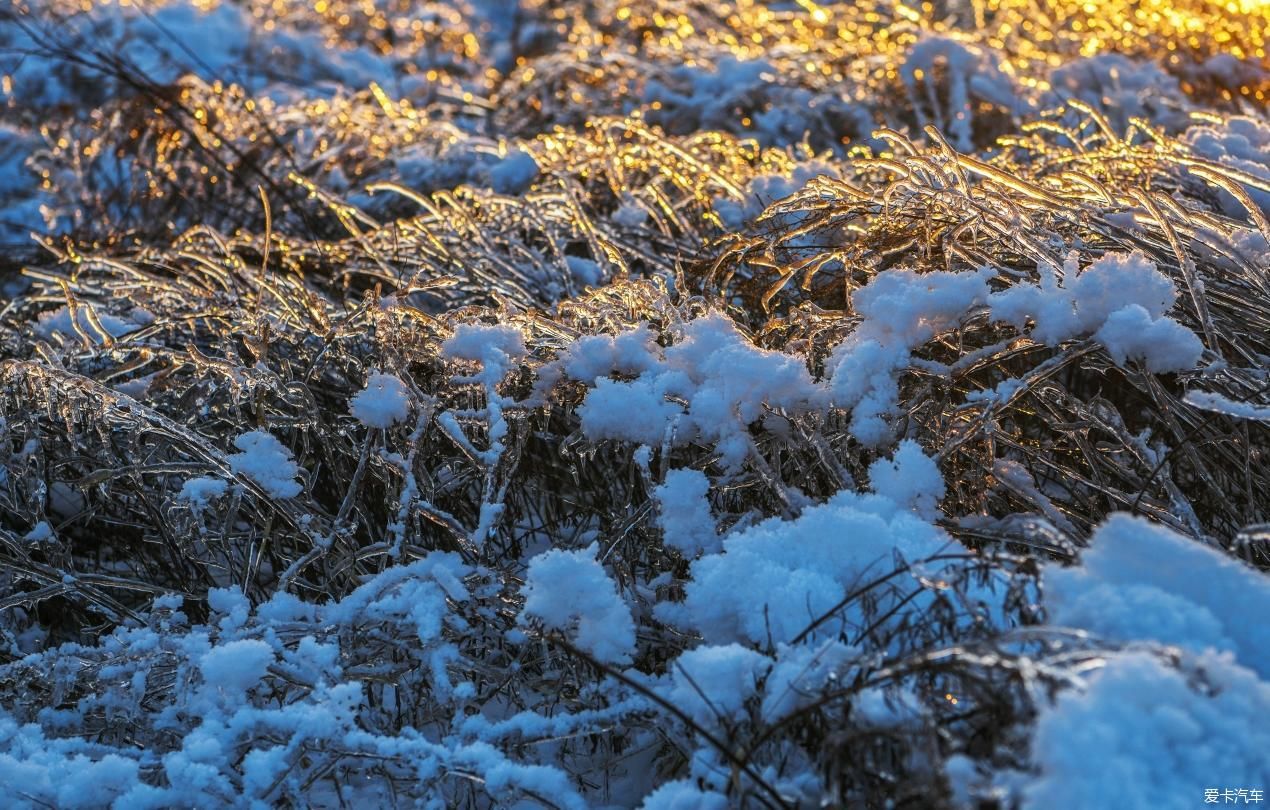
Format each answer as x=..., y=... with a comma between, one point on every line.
x=58, y=322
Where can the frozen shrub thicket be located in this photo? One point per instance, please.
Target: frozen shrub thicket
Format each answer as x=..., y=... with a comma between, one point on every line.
x=631, y=404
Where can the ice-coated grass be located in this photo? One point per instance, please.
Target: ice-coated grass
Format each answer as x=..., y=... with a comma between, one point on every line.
x=483, y=404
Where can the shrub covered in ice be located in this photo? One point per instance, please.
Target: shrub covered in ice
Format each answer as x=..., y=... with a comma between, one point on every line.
x=478, y=404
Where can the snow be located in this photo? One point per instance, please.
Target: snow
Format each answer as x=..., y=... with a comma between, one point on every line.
x=910, y=479
x=629, y=214
x=1121, y=300
x=266, y=461
x=586, y=271
x=1160, y=344
x=199, y=492
x=40, y=533
x=707, y=94
x=494, y=346
x=726, y=381
x=800, y=675
x=713, y=685
x=1211, y=401
x=774, y=579
x=384, y=402
x=412, y=595
x=1241, y=143
x=514, y=173
x=767, y=189
x=569, y=590
x=682, y=795
x=1121, y=88
x=684, y=512
x=1140, y=580
x=46, y=770
x=972, y=76
x=901, y=310
x=593, y=356
x=58, y=322
x=721, y=580
x=636, y=411
x=237, y=666
x=173, y=38
x=1144, y=735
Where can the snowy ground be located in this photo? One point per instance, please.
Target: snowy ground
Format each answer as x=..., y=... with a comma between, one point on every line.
x=631, y=404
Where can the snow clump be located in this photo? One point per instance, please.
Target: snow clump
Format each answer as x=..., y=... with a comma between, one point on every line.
x=910, y=478
x=902, y=310
x=724, y=381
x=1152, y=735
x=384, y=402
x=1140, y=580
x=495, y=347
x=570, y=590
x=266, y=461
x=199, y=492
x=237, y=666
x=1239, y=143
x=514, y=173
x=1121, y=299
x=685, y=512
x=773, y=581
